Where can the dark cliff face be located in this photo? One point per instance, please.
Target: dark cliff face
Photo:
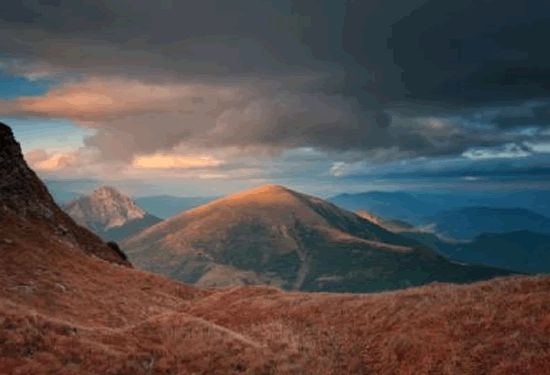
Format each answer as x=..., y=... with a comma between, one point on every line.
x=24, y=197
x=20, y=188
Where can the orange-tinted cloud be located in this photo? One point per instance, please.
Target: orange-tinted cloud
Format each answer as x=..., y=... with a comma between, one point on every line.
x=166, y=161
x=100, y=99
x=43, y=161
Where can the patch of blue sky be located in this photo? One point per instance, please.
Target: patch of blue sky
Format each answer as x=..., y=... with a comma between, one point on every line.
x=12, y=86
x=47, y=134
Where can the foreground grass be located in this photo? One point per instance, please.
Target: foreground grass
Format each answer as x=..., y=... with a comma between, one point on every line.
x=63, y=312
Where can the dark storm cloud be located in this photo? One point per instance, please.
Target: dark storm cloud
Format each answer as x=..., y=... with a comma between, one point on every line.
x=444, y=49
x=444, y=167
x=474, y=51
x=381, y=79
x=536, y=115
x=153, y=39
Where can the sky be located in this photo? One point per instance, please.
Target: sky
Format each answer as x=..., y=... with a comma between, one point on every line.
x=196, y=98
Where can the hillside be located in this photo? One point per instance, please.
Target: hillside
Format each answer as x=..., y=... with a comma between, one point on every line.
x=469, y=222
x=395, y=226
x=65, y=313
x=390, y=205
x=27, y=205
x=520, y=251
x=68, y=306
x=420, y=208
x=110, y=214
x=273, y=235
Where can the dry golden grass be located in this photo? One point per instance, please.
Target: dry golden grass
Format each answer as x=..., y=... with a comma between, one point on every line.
x=62, y=312
x=67, y=311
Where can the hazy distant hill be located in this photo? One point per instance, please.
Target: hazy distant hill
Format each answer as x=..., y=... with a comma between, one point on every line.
x=275, y=235
x=535, y=200
x=165, y=206
x=110, y=214
x=520, y=251
x=421, y=207
x=469, y=222
x=390, y=205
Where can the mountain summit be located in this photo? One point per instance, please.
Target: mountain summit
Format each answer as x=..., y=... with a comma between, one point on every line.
x=110, y=214
x=275, y=235
x=28, y=209
x=63, y=311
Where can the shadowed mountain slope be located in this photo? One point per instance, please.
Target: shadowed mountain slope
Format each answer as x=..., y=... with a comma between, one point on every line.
x=420, y=208
x=469, y=222
x=520, y=251
x=273, y=235
x=391, y=205
x=26, y=203
x=395, y=226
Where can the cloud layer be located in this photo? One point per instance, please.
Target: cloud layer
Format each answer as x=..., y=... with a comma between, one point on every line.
x=187, y=84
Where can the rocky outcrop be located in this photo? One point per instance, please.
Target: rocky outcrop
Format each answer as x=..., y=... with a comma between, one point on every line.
x=110, y=214
x=25, y=199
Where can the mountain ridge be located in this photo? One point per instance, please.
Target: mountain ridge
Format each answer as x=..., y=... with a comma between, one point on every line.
x=468, y=222
x=419, y=208
x=520, y=251
x=110, y=214
x=271, y=234
x=25, y=200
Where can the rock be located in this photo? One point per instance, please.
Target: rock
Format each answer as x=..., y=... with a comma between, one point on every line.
x=25, y=198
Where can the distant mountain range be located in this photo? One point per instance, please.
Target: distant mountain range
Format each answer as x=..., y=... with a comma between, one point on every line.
x=110, y=214
x=420, y=208
x=390, y=205
x=507, y=238
x=517, y=239
x=161, y=206
x=273, y=235
x=165, y=206
x=469, y=222
x=520, y=251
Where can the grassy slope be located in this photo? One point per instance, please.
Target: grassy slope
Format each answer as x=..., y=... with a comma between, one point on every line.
x=62, y=312
x=274, y=235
